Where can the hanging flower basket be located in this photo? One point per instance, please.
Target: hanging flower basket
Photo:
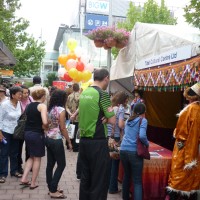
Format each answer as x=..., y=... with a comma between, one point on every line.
x=105, y=46
x=110, y=36
x=121, y=45
x=98, y=43
x=110, y=42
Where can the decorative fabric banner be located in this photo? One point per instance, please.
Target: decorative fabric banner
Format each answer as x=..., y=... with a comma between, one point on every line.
x=170, y=78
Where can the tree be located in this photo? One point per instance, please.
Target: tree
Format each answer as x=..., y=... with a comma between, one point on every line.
x=28, y=51
x=51, y=77
x=192, y=13
x=150, y=13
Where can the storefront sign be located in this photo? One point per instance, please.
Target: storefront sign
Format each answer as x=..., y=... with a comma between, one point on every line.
x=181, y=53
x=93, y=21
x=60, y=84
x=97, y=6
x=6, y=72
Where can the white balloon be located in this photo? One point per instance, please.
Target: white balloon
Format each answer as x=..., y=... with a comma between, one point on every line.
x=89, y=67
x=78, y=51
x=61, y=71
x=84, y=59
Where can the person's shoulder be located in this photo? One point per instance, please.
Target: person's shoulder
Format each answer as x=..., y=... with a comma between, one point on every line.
x=121, y=108
x=60, y=109
x=6, y=102
x=144, y=120
x=45, y=88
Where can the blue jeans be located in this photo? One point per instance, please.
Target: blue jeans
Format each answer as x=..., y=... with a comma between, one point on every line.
x=11, y=150
x=113, y=186
x=55, y=154
x=133, y=166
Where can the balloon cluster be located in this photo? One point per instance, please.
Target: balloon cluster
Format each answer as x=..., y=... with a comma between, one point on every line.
x=75, y=65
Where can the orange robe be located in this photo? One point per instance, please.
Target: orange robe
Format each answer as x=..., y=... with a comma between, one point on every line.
x=184, y=177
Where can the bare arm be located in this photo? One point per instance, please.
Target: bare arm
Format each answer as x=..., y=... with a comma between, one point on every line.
x=121, y=123
x=73, y=116
x=1, y=136
x=112, y=120
x=63, y=129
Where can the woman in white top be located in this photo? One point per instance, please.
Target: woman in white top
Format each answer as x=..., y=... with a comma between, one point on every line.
x=10, y=112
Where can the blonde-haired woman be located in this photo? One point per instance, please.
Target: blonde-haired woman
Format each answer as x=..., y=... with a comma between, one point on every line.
x=34, y=136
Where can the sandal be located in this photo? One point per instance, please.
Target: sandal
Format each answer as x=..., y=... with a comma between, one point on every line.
x=25, y=183
x=58, y=190
x=3, y=179
x=57, y=195
x=17, y=175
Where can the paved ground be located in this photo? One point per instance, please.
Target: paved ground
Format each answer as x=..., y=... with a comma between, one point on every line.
x=12, y=190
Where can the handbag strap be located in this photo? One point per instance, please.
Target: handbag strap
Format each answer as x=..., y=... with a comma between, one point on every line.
x=139, y=125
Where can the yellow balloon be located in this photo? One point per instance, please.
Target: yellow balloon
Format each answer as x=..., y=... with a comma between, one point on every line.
x=73, y=73
x=87, y=75
x=86, y=84
x=79, y=77
x=71, y=44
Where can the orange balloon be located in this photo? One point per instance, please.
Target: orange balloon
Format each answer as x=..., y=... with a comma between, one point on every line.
x=62, y=59
x=72, y=55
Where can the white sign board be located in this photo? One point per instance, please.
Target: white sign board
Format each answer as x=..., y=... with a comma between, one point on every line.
x=97, y=6
x=167, y=57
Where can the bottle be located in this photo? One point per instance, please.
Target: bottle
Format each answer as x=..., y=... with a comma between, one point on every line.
x=4, y=141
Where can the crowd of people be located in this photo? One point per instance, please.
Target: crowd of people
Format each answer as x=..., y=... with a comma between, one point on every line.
x=98, y=118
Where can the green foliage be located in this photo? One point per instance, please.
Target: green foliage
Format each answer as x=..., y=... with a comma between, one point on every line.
x=51, y=77
x=192, y=13
x=27, y=51
x=150, y=13
x=28, y=84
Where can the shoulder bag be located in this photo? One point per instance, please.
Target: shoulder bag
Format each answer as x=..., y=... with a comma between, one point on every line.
x=19, y=129
x=142, y=150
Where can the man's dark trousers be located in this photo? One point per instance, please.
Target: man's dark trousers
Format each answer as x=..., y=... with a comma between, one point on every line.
x=95, y=162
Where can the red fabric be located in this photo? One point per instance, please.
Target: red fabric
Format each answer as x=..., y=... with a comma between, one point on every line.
x=155, y=173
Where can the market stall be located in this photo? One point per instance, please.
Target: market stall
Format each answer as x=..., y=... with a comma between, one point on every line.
x=161, y=60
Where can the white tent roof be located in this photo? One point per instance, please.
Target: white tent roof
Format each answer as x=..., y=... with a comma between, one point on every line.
x=150, y=40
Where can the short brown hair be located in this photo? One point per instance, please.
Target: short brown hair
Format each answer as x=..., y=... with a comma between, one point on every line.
x=75, y=87
x=119, y=98
x=38, y=94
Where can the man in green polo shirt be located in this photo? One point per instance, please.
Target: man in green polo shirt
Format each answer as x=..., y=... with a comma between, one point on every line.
x=94, y=112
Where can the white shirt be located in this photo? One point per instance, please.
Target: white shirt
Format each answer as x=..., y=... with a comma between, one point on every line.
x=9, y=116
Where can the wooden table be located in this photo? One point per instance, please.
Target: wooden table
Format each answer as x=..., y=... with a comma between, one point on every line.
x=155, y=173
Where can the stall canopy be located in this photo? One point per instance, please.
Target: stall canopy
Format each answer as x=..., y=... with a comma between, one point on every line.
x=153, y=45
x=6, y=57
x=162, y=60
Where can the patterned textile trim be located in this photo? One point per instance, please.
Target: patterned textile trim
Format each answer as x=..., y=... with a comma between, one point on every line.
x=168, y=78
x=190, y=165
x=182, y=193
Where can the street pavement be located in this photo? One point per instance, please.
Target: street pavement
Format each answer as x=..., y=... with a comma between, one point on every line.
x=11, y=190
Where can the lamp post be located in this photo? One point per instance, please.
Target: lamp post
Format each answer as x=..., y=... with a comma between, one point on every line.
x=109, y=50
x=82, y=9
x=41, y=63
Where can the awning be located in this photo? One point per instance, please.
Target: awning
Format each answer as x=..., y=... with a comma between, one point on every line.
x=6, y=57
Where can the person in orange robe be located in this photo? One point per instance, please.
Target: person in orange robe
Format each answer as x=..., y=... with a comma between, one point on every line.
x=184, y=178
